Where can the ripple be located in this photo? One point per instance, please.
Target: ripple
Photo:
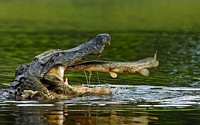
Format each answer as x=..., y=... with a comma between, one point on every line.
x=125, y=94
x=35, y=105
x=162, y=106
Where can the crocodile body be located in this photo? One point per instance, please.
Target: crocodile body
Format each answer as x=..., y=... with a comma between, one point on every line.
x=29, y=77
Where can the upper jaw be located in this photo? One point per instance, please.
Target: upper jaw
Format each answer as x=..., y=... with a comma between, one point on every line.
x=75, y=55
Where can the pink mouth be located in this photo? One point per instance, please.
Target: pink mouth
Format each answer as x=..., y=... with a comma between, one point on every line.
x=65, y=80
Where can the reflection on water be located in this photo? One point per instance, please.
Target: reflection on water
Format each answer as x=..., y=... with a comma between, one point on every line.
x=62, y=113
x=129, y=105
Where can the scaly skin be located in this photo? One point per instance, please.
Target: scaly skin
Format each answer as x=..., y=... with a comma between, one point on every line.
x=30, y=76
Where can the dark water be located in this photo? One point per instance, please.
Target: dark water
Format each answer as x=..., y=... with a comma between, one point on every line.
x=170, y=95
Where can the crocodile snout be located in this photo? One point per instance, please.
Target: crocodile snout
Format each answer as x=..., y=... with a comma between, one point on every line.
x=104, y=37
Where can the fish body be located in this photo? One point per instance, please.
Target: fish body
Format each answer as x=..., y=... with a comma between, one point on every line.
x=111, y=67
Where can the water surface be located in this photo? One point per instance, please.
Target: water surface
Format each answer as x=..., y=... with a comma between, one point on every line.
x=128, y=105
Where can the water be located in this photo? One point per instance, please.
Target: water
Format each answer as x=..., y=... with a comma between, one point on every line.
x=170, y=95
x=128, y=105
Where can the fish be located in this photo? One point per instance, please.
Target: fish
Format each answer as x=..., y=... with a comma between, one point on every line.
x=113, y=68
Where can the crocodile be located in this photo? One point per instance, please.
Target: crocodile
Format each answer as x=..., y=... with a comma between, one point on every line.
x=31, y=79
x=43, y=78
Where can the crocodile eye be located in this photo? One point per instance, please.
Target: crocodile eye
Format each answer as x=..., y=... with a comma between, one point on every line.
x=99, y=36
x=18, y=89
x=36, y=59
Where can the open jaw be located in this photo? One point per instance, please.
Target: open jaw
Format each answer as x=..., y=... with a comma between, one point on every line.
x=59, y=84
x=44, y=76
x=58, y=71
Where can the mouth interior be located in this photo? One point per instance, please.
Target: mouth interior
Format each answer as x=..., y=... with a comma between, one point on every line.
x=58, y=71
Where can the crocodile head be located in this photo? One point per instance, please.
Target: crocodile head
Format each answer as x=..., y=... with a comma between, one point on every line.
x=72, y=56
x=45, y=74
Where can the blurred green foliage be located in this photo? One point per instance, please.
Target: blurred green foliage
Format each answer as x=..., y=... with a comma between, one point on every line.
x=100, y=15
